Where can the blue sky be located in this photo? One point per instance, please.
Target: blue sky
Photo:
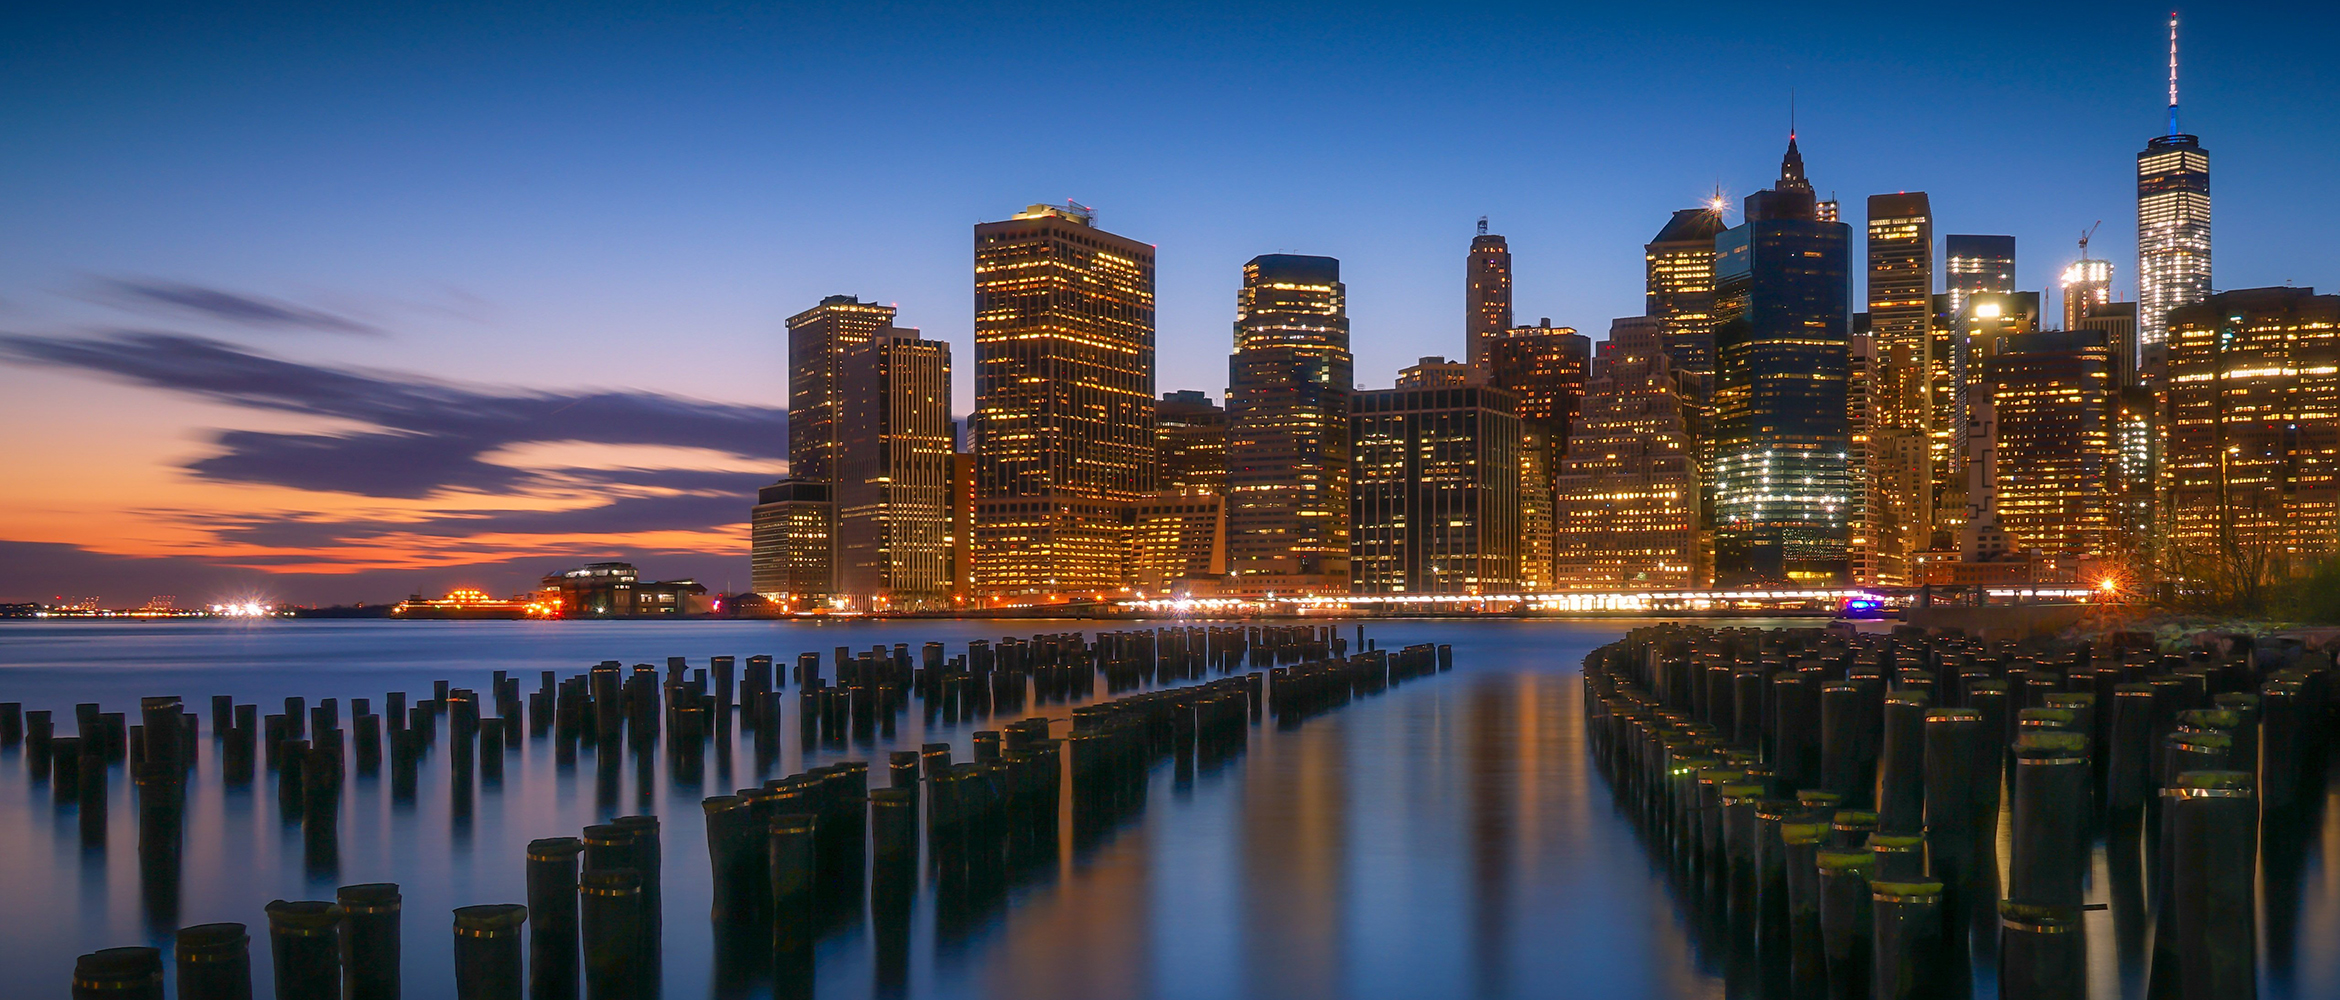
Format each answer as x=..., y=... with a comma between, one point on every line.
x=570, y=199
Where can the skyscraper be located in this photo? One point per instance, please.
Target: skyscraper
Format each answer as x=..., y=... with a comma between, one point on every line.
x=790, y=554
x=1288, y=386
x=2053, y=399
x=1486, y=294
x=1436, y=493
x=1544, y=368
x=1900, y=515
x=1626, y=516
x=2252, y=467
x=1190, y=442
x=1680, y=284
x=2087, y=288
x=818, y=340
x=1976, y=264
x=894, y=473
x=1064, y=402
x=1782, y=485
x=2173, y=220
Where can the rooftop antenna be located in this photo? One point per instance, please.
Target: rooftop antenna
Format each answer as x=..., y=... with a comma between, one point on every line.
x=1482, y=225
x=1791, y=114
x=2085, y=236
x=2173, y=97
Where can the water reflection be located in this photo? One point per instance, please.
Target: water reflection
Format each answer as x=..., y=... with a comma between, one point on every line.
x=1442, y=839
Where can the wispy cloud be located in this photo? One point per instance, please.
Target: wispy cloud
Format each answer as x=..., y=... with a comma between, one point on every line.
x=178, y=298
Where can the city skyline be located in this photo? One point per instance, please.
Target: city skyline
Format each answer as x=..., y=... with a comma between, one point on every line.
x=279, y=485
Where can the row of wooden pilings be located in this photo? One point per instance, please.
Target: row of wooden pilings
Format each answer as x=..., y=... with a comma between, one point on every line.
x=787, y=860
x=1833, y=799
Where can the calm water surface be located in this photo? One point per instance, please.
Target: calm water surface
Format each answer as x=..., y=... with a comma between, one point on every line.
x=1446, y=839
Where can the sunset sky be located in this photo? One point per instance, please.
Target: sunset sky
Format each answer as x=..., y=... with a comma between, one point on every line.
x=335, y=303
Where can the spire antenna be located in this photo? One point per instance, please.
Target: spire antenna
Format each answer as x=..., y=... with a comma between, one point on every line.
x=2173, y=93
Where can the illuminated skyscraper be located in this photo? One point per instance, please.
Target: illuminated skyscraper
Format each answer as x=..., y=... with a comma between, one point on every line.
x=1064, y=402
x=1860, y=407
x=1899, y=516
x=1486, y=294
x=894, y=474
x=1680, y=284
x=1190, y=440
x=818, y=340
x=2252, y=470
x=1435, y=508
x=1177, y=539
x=1782, y=482
x=1288, y=386
x=2087, y=288
x=2173, y=219
x=1544, y=367
x=1976, y=264
x=2053, y=397
x=791, y=529
x=1626, y=514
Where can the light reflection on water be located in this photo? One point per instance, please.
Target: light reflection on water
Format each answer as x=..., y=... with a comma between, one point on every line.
x=1448, y=838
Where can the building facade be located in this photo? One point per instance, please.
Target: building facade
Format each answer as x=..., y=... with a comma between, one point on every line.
x=2173, y=220
x=1178, y=543
x=819, y=339
x=1973, y=264
x=894, y=474
x=1782, y=481
x=1626, y=513
x=2054, y=400
x=1435, y=504
x=1544, y=368
x=791, y=543
x=1190, y=442
x=1898, y=515
x=2253, y=433
x=1289, y=383
x=1064, y=403
x=1679, y=289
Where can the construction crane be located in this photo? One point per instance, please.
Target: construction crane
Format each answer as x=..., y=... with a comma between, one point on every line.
x=2084, y=237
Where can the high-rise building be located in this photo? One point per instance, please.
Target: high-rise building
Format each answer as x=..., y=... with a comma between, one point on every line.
x=1435, y=495
x=1898, y=517
x=2252, y=467
x=2173, y=219
x=2087, y=288
x=1436, y=372
x=894, y=474
x=1544, y=367
x=1782, y=478
x=2053, y=397
x=790, y=547
x=1680, y=288
x=1973, y=264
x=1190, y=442
x=962, y=528
x=1486, y=294
x=1288, y=386
x=818, y=340
x=1064, y=402
x=1860, y=408
x=1627, y=509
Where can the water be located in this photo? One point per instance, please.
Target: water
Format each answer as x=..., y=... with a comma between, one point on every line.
x=1448, y=838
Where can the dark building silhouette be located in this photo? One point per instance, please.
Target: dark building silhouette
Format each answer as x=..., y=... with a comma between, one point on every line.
x=1781, y=478
x=1288, y=387
x=818, y=340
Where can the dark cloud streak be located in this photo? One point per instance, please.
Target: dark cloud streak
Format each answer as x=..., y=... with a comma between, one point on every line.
x=431, y=436
x=213, y=303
